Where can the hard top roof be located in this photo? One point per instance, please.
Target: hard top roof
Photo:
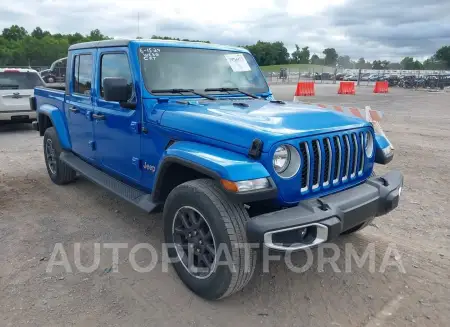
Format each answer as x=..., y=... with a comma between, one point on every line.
x=153, y=42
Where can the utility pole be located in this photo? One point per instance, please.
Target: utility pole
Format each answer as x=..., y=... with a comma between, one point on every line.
x=138, y=27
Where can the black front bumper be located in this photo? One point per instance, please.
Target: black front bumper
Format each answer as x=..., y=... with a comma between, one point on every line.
x=339, y=212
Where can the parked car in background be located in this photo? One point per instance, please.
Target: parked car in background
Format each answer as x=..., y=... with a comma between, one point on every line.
x=351, y=77
x=56, y=73
x=365, y=77
x=16, y=87
x=374, y=77
x=340, y=76
x=323, y=76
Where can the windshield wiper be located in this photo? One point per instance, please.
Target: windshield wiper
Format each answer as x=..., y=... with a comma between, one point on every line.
x=231, y=89
x=181, y=91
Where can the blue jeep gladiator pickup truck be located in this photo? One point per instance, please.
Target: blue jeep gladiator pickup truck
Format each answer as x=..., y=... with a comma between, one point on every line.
x=193, y=128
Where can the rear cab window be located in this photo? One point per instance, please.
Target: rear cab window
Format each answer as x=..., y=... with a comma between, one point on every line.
x=82, y=74
x=17, y=80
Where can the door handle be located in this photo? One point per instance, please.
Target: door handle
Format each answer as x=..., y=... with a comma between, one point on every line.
x=98, y=117
x=73, y=109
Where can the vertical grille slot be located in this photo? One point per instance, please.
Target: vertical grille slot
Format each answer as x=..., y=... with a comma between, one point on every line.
x=317, y=163
x=354, y=155
x=361, y=153
x=347, y=158
x=331, y=160
x=328, y=158
x=304, y=152
x=337, y=158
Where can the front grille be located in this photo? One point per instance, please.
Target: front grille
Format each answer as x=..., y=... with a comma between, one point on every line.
x=330, y=160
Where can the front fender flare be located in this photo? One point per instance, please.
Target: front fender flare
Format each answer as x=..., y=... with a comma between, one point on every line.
x=211, y=161
x=57, y=118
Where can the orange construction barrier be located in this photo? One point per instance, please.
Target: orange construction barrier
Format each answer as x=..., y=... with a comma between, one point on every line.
x=346, y=88
x=381, y=87
x=304, y=89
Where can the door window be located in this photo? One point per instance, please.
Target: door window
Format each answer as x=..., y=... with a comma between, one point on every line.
x=116, y=65
x=82, y=77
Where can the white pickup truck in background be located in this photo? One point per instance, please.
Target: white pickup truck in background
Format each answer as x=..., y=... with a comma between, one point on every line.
x=16, y=87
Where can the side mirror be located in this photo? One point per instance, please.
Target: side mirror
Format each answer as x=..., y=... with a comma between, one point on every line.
x=116, y=89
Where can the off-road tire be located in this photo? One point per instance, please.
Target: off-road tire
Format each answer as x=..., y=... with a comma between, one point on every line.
x=62, y=174
x=227, y=222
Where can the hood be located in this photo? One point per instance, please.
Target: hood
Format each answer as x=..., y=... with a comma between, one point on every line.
x=270, y=122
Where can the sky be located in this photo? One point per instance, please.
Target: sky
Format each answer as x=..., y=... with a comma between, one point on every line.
x=373, y=29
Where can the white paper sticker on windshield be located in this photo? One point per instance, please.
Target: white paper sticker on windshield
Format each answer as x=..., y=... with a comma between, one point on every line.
x=237, y=62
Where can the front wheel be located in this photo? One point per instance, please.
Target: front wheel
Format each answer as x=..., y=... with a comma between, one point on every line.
x=206, y=238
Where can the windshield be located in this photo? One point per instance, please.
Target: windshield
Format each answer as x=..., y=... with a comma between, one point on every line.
x=19, y=80
x=199, y=69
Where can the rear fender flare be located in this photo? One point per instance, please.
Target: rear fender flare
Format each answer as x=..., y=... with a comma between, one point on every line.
x=57, y=118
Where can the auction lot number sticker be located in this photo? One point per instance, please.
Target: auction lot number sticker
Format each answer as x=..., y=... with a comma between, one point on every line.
x=237, y=62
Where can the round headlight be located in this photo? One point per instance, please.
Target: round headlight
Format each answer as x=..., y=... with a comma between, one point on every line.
x=368, y=144
x=281, y=158
x=286, y=161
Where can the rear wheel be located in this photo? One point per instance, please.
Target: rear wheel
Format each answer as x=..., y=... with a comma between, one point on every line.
x=59, y=172
x=206, y=238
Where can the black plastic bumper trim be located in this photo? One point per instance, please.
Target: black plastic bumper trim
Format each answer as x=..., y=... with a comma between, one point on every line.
x=339, y=212
x=381, y=158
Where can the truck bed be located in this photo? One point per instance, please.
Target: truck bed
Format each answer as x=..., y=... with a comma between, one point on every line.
x=56, y=86
x=48, y=100
x=49, y=95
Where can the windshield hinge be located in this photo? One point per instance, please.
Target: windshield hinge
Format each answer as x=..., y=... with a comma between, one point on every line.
x=255, y=149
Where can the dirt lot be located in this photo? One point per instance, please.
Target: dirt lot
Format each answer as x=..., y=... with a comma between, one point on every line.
x=36, y=214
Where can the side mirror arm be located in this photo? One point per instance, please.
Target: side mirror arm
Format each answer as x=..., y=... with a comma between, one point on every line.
x=128, y=105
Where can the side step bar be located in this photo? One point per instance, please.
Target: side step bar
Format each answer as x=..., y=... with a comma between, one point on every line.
x=137, y=197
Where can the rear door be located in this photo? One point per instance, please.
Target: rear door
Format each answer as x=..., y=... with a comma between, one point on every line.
x=16, y=87
x=79, y=103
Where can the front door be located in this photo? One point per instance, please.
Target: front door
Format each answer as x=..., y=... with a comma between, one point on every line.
x=79, y=105
x=117, y=129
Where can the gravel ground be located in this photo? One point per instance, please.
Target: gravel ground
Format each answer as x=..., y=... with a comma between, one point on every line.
x=36, y=214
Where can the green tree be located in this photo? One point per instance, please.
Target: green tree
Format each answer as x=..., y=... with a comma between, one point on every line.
x=316, y=60
x=38, y=33
x=300, y=56
x=361, y=63
x=173, y=38
x=378, y=64
x=443, y=55
x=268, y=53
x=40, y=48
x=395, y=65
x=14, y=33
x=407, y=63
x=433, y=64
x=344, y=62
x=331, y=56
